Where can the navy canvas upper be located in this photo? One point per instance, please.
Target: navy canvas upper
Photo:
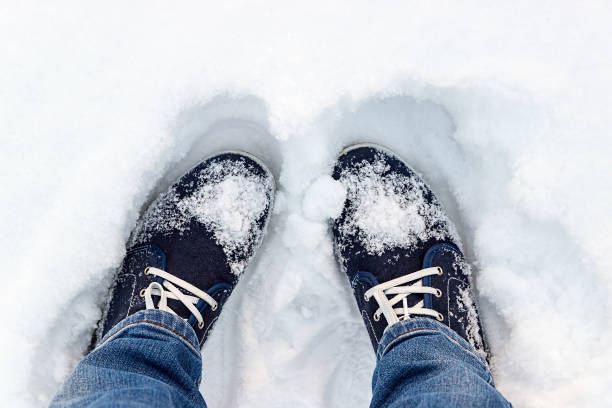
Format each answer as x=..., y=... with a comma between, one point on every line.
x=189, y=251
x=367, y=268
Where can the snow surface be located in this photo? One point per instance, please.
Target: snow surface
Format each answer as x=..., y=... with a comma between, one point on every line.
x=503, y=107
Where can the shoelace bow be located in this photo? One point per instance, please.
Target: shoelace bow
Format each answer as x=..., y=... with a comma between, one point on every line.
x=383, y=292
x=170, y=283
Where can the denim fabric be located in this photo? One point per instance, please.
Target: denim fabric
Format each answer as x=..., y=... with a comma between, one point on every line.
x=423, y=363
x=150, y=359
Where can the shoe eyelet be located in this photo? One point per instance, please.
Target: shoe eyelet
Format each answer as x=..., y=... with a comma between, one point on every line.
x=440, y=271
x=440, y=317
x=438, y=293
x=215, y=307
x=366, y=298
x=146, y=271
x=376, y=318
x=201, y=324
x=142, y=293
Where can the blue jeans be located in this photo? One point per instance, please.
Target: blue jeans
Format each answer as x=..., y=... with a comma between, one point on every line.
x=152, y=359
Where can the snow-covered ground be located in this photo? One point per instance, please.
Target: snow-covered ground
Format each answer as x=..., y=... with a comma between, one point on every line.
x=504, y=107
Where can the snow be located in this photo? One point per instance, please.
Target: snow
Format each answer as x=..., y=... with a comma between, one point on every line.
x=228, y=199
x=466, y=303
x=503, y=108
x=390, y=210
x=324, y=199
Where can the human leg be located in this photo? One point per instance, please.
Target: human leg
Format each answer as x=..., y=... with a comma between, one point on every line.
x=422, y=363
x=402, y=256
x=151, y=358
x=183, y=259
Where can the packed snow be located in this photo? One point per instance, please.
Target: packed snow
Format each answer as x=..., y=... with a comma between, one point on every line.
x=502, y=107
x=324, y=199
x=390, y=210
x=228, y=199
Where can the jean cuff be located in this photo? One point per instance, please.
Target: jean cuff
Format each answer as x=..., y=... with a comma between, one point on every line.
x=157, y=320
x=406, y=329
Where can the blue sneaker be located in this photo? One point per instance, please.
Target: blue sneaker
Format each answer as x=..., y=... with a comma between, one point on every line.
x=398, y=248
x=193, y=243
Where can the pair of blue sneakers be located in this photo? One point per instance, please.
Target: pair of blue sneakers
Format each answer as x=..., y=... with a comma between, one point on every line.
x=393, y=240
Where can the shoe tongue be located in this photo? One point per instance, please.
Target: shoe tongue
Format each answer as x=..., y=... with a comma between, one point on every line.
x=412, y=299
x=179, y=308
x=400, y=263
x=176, y=305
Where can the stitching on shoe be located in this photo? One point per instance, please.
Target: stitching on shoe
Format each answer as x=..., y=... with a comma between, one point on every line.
x=137, y=251
x=134, y=280
x=365, y=314
x=210, y=325
x=448, y=301
x=153, y=323
x=225, y=293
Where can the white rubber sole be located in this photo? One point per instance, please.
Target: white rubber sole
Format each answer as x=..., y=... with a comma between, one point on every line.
x=368, y=144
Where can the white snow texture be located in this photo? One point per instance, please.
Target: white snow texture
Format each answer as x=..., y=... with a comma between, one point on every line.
x=228, y=199
x=503, y=107
x=390, y=210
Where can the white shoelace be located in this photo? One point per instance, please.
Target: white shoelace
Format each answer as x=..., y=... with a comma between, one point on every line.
x=172, y=292
x=394, y=287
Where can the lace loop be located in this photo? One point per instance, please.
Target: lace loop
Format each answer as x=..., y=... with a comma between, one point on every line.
x=401, y=291
x=170, y=290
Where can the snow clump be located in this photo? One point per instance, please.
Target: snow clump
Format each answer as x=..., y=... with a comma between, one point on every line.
x=389, y=210
x=229, y=199
x=324, y=199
